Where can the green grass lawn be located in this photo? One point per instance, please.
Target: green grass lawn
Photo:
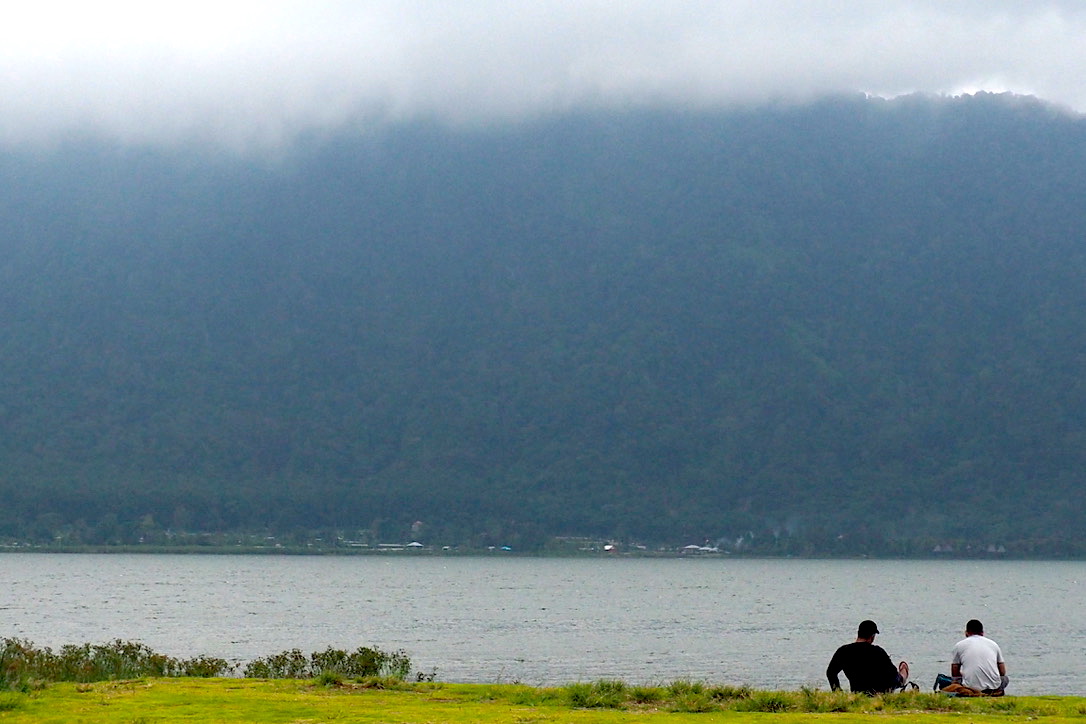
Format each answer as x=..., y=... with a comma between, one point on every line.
x=309, y=701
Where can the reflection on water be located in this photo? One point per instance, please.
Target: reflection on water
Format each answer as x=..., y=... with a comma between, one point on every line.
x=767, y=623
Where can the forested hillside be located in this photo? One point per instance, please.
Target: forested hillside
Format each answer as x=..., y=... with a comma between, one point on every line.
x=853, y=326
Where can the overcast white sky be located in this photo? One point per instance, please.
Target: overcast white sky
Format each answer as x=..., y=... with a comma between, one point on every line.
x=254, y=73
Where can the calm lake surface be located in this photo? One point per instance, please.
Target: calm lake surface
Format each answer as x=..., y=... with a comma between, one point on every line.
x=541, y=621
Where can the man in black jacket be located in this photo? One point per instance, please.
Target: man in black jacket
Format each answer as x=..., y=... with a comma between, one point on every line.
x=867, y=666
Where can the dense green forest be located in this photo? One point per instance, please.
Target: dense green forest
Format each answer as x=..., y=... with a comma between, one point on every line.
x=853, y=326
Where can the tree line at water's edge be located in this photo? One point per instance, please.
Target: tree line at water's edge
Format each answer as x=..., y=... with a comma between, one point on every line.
x=852, y=327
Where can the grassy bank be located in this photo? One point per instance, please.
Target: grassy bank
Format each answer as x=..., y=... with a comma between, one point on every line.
x=383, y=700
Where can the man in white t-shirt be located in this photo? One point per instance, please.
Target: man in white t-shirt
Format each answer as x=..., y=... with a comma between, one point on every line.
x=978, y=662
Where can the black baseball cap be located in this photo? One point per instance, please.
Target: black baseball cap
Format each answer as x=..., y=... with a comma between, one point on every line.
x=866, y=629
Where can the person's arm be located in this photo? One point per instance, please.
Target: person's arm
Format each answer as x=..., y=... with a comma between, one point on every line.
x=832, y=671
x=1002, y=668
x=956, y=663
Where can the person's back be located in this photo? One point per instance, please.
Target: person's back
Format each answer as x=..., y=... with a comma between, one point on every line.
x=868, y=667
x=978, y=660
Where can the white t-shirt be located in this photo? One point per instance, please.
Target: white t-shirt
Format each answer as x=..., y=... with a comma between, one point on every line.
x=979, y=658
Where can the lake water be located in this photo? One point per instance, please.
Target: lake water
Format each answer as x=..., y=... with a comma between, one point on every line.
x=542, y=621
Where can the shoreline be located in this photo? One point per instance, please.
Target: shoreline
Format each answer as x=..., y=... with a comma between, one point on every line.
x=429, y=552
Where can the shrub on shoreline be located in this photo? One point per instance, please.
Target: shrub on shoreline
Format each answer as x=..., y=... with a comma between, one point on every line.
x=359, y=664
x=23, y=665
